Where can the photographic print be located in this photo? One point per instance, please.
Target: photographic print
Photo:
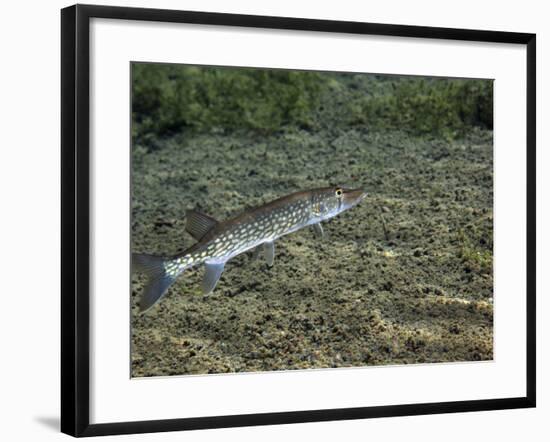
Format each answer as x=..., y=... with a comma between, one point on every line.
x=242, y=223
x=288, y=220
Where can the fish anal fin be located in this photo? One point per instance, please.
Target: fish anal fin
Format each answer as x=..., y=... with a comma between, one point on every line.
x=198, y=224
x=212, y=273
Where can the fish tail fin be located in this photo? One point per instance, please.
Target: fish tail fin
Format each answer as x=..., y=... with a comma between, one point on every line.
x=158, y=278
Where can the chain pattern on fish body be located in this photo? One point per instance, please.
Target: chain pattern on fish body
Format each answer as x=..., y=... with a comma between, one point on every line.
x=256, y=228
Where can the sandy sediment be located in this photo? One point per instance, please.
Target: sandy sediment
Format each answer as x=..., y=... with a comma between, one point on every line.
x=406, y=277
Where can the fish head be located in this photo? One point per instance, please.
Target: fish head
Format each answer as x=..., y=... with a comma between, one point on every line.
x=331, y=201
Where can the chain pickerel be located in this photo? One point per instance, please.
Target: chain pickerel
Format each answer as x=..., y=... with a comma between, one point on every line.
x=256, y=228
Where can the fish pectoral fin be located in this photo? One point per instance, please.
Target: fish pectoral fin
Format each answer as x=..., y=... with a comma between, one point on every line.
x=198, y=224
x=212, y=274
x=318, y=230
x=269, y=252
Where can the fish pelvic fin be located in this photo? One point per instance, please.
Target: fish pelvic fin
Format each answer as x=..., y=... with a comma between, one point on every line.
x=212, y=274
x=161, y=272
x=268, y=248
x=269, y=252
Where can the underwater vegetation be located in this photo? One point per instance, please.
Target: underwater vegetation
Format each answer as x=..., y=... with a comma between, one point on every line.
x=405, y=277
x=448, y=108
x=170, y=98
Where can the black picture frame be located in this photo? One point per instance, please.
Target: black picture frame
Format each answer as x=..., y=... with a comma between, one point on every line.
x=75, y=212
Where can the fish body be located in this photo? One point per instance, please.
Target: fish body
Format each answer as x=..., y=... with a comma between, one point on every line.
x=256, y=228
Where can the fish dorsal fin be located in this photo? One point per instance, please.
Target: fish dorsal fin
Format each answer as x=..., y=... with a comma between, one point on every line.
x=198, y=224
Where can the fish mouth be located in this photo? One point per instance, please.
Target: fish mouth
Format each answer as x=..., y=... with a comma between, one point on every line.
x=356, y=194
x=353, y=197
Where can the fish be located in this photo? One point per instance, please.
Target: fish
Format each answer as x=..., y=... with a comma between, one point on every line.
x=254, y=229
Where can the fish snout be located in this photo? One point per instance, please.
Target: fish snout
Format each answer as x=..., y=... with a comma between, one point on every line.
x=354, y=196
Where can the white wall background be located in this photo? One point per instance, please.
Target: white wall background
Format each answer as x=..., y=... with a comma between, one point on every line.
x=29, y=219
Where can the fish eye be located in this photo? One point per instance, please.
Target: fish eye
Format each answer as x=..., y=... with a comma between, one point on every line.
x=339, y=192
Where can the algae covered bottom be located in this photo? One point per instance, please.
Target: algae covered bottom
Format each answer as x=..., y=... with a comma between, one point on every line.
x=402, y=279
